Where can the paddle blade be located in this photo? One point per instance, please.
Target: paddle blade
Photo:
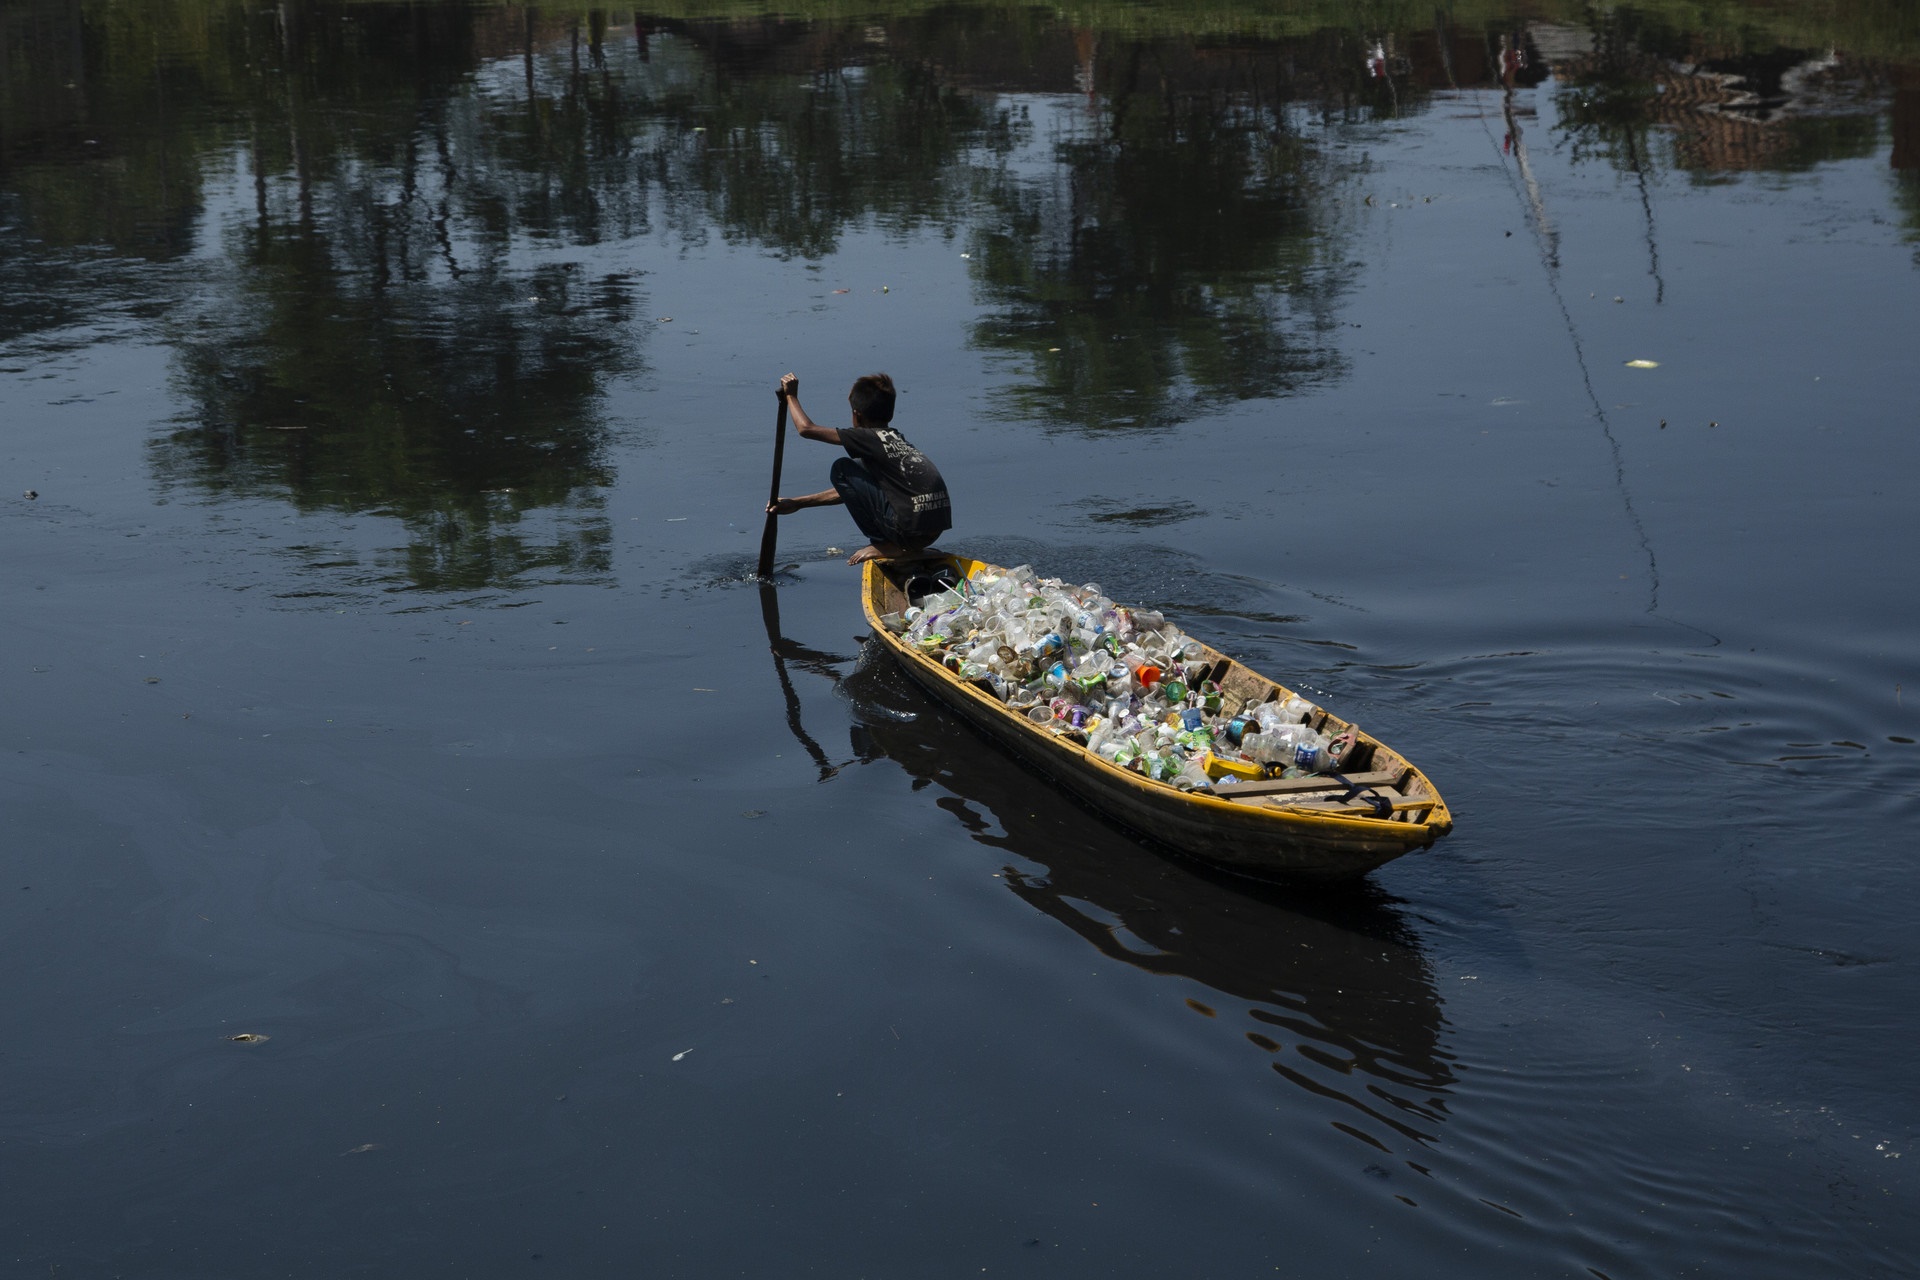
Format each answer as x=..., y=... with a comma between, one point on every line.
x=767, y=539
x=769, y=535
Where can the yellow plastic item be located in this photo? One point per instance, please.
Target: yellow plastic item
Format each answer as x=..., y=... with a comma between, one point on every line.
x=1245, y=770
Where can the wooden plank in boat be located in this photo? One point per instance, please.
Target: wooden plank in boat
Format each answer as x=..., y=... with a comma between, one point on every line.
x=1297, y=786
x=1359, y=807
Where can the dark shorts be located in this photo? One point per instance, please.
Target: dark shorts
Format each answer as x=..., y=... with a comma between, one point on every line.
x=867, y=504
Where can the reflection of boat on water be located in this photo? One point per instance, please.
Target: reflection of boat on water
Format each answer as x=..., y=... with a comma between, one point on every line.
x=1334, y=989
x=1323, y=826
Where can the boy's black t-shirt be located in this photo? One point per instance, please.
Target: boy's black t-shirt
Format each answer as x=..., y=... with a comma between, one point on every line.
x=914, y=489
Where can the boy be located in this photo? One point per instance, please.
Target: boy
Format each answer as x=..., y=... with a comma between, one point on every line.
x=892, y=491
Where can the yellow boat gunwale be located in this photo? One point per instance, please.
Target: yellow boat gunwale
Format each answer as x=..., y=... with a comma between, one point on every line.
x=1352, y=843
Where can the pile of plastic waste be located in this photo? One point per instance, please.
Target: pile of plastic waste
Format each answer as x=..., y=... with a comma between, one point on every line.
x=1126, y=683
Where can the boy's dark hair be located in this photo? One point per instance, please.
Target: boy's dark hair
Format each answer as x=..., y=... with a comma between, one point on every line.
x=872, y=399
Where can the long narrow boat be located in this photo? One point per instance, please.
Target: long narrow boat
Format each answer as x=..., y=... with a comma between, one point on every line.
x=1325, y=827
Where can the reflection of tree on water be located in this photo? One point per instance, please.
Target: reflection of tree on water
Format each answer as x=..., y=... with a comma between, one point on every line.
x=99, y=136
x=1170, y=231
x=805, y=130
x=1904, y=155
x=361, y=342
x=1907, y=194
x=1175, y=249
x=459, y=407
x=1337, y=994
x=1178, y=256
x=95, y=155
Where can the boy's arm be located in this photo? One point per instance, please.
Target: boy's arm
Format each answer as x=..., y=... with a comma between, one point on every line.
x=790, y=388
x=787, y=506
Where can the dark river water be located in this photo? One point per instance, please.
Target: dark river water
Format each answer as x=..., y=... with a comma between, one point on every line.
x=385, y=418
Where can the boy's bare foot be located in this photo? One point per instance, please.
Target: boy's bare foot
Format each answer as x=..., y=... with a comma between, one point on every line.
x=889, y=551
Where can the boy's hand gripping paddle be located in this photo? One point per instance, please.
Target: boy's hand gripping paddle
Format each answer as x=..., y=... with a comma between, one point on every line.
x=768, y=537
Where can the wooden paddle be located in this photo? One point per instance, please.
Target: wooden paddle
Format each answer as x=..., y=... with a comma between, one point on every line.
x=767, y=537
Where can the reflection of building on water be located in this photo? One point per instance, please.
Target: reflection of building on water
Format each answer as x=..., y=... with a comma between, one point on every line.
x=1334, y=991
x=1727, y=110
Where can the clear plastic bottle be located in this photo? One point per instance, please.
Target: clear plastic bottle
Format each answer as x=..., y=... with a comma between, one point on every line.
x=1298, y=747
x=1285, y=746
x=1193, y=778
x=1281, y=715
